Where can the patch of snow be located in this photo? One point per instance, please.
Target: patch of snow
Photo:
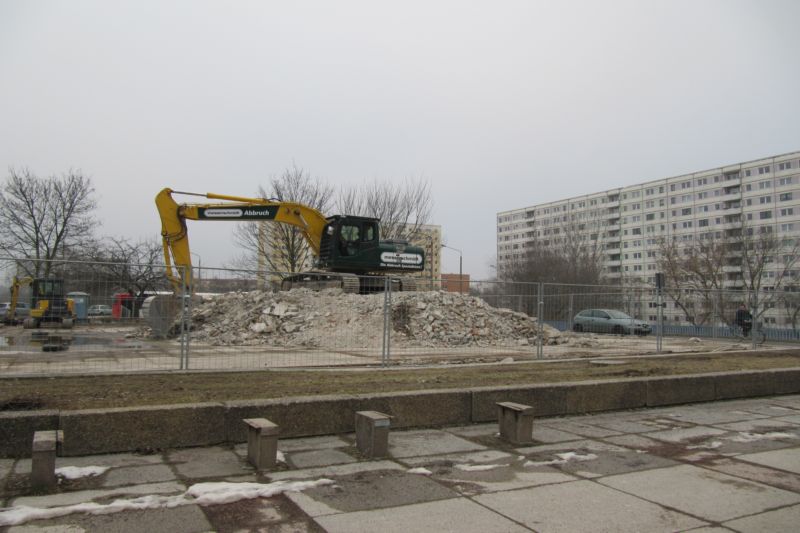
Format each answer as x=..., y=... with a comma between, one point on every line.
x=563, y=458
x=710, y=446
x=477, y=468
x=198, y=494
x=420, y=470
x=76, y=472
x=746, y=436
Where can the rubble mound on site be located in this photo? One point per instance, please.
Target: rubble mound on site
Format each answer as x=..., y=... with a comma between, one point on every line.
x=332, y=318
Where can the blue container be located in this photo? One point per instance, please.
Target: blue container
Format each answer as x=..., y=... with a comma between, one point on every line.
x=81, y=302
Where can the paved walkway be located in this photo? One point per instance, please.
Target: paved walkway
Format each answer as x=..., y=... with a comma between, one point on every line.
x=705, y=467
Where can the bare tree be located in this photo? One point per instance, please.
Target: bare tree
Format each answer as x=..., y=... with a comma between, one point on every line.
x=402, y=208
x=41, y=217
x=281, y=247
x=710, y=275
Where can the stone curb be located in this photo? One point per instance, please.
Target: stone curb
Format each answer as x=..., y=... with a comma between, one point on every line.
x=95, y=431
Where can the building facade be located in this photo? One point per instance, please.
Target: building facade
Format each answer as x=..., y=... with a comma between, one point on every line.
x=429, y=238
x=627, y=224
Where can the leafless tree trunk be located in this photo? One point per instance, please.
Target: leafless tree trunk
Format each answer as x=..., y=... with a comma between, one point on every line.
x=280, y=247
x=40, y=217
x=402, y=208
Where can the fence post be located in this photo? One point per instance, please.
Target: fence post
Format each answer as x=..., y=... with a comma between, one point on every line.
x=660, y=303
x=387, y=321
x=540, y=321
x=183, y=319
x=571, y=312
x=715, y=296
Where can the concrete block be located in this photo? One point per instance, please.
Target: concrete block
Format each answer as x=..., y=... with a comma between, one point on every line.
x=680, y=390
x=594, y=396
x=262, y=443
x=787, y=381
x=550, y=400
x=297, y=417
x=744, y=384
x=433, y=408
x=516, y=422
x=46, y=444
x=17, y=429
x=372, y=433
x=143, y=428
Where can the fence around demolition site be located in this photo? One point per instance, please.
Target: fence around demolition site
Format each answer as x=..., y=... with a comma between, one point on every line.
x=241, y=320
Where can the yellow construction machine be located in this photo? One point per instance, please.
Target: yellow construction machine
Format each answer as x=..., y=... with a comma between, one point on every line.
x=48, y=304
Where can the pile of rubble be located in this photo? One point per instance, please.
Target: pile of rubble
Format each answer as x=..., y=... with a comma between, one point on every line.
x=332, y=318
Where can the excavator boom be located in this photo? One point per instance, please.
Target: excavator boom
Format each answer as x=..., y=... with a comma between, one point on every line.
x=176, y=240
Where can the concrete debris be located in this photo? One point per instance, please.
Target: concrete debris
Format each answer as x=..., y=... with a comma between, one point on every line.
x=332, y=318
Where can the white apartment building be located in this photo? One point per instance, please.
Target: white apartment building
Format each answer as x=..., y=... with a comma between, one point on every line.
x=631, y=221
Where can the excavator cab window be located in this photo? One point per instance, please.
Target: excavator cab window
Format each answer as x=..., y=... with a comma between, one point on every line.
x=350, y=235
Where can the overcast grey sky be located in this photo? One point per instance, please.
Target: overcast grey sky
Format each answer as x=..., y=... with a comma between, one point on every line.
x=499, y=104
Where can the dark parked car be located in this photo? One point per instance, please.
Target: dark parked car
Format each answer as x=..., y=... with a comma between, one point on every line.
x=609, y=321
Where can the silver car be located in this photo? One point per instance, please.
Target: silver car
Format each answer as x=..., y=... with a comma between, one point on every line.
x=609, y=321
x=23, y=311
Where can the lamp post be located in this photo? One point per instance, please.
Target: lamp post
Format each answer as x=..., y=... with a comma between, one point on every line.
x=460, y=272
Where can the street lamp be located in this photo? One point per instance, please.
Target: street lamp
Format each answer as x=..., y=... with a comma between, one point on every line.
x=460, y=263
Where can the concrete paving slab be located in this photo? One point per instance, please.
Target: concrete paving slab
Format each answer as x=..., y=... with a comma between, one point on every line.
x=334, y=471
x=754, y=472
x=215, y=461
x=428, y=442
x=475, y=430
x=548, y=434
x=709, y=530
x=312, y=443
x=768, y=409
x=585, y=430
x=274, y=514
x=612, y=463
x=584, y=506
x=70, y=498
x=313, y=458
x=458, y=514
x=376, y=490
x=186, y=519
x=792, y=419
x=710, y=495
x=485, y=456
x=715, y=413
x=787, y=459
x=570, y=446
x=132, y=475
x=622, y=425
x=111, y=460
x=635, y=442
x=505, y=477
x=697, y=433
x=786, y=519
x=761, y=425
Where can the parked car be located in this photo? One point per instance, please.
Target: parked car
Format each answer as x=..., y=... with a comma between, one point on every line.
x=99, y=310
x=609, y=321
x=23, y=311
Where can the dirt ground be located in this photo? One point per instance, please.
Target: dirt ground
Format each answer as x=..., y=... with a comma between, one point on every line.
x=70, y=392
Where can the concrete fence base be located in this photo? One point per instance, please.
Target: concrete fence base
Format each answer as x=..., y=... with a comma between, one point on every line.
x=97, y=431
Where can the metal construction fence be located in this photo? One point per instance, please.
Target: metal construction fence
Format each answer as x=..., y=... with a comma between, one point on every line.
x=129, y=318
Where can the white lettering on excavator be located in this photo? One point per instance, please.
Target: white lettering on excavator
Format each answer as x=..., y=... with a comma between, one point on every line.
x=401, y=259
x=257, y=212
x=223, y=213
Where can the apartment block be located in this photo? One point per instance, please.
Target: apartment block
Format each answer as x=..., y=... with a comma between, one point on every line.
x=628, y=223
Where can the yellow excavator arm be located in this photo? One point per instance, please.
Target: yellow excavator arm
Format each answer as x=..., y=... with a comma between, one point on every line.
x=235, y=208
x=16, y=284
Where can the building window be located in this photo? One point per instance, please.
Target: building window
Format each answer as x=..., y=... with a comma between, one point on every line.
x=785, y=196
x=687, y=211
x=763, y=170
x=787, y=227
x=785, y=166
x=787, y=212
x=765, y=215
x=785, y=181
x=702, y=222
x=765, y=199
x=747, y=172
